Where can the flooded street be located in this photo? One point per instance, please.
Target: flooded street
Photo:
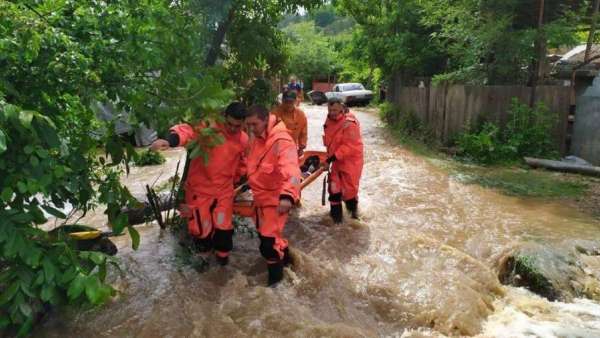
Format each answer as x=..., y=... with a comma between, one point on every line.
x=423, y=261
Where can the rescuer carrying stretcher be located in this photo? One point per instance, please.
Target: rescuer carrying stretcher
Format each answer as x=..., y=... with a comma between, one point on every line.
x=345, y=153
x=209, y=187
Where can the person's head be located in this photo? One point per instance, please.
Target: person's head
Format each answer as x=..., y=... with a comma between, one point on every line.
x=235, y=113
x=257, y=119
x=335, y=108
x=288, y=100
x=293, y=80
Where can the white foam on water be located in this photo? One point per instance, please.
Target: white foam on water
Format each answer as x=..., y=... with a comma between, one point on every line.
x=523, y=314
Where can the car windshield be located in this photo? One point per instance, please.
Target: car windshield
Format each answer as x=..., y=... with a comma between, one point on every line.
x=352, y=86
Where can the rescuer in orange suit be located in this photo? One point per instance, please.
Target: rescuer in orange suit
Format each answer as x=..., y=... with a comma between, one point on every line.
x=294, y=119
x=209, y=187
x=274, y=178
x=345, y=153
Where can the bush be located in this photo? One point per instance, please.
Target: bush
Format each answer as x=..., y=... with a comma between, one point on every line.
x=481, y=146
x=405, y=125
x=528, y=132
x=149, y=157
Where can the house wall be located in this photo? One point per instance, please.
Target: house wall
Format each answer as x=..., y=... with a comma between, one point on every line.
x=586, y=129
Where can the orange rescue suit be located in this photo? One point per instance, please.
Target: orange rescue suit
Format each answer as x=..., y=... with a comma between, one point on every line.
x=344, y=141
x=296, y=123
x=209, y=186
x=273, y=173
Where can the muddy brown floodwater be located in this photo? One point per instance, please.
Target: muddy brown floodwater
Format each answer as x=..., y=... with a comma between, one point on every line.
x=422, y=262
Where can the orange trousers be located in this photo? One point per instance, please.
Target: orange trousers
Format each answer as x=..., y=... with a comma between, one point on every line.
x=211, y=219
x=343, y=183
x=270, y=224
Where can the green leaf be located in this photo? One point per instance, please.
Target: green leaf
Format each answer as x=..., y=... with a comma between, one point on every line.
x=120, y=223
x=34, y=161
x=26, y=290
x=3, y=146
x=4, y=322
x=197, y=151
x=47, y=133
x=26, y=327
x=135, y=237
x=114, y=148
x=93, y=290
x=102, y=271
x=54, y=212
x=48, y=293
x=9, y=293
x=40, y=278
x=97, y=257
x=68, y=276
x=26, y=309
x=7, y=194
x=49, y=269
x=76, y=287
x=22, y=187
x=25, y=116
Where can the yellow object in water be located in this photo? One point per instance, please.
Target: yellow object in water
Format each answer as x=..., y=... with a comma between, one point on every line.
x=82, y=235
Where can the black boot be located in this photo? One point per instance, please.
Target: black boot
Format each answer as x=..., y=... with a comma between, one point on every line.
x=202, y=244
x=336, y=213
x=222, y=260
x=352, y=206
x=275, y=273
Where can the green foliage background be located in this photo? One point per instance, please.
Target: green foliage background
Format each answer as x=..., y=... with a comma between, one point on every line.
x=58, y=59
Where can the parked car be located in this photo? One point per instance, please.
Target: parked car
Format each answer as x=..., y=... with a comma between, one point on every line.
x=351, y=93
x=317, y=97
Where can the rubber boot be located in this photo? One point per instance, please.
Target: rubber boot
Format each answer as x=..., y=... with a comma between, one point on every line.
x=275, y=273
x=336, y=213
x=222, y=260
x=202, y=244
x=352, y=206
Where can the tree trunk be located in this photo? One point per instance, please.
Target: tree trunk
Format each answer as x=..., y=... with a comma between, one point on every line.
x=144, y=213
x=540, y=46
x=219, y=37
x=563, y=166
x=590, y=41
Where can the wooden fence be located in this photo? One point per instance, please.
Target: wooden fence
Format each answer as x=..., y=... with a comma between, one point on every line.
x=448, y=110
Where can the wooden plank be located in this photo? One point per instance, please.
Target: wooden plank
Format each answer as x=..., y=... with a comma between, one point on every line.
x=557, y=100
x=455, y=112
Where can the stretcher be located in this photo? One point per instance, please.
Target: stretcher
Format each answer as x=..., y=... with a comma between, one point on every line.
x=312, y=165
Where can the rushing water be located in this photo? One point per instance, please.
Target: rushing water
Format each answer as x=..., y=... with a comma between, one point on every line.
x=421, y=263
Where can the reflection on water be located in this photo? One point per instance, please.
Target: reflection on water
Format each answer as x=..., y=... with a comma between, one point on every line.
x=422, y=262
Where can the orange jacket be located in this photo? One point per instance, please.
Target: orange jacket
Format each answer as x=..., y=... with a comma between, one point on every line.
x=343, y=139
x=226, y=164
x=296, y=123
x=273, y=169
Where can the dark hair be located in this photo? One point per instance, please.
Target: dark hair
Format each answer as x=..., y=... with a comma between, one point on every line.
x=237, y=110
x=333, y=100
x=260, y=111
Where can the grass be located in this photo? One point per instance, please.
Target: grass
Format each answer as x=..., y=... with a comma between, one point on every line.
x=415, y=145
x=515, y=181
x=509, y=178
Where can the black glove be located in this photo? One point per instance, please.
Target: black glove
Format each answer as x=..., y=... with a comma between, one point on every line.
x=331, y=159
x=242, y=180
